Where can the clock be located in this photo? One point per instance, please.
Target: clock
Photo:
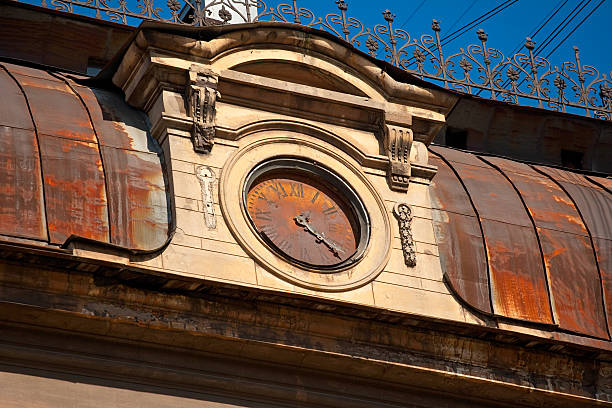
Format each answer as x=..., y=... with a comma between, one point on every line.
x=306, y=213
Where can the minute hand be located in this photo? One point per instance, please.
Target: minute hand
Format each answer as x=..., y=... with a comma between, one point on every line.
x=302, y=221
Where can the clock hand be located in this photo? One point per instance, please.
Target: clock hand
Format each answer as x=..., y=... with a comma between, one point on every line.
x=303, y=221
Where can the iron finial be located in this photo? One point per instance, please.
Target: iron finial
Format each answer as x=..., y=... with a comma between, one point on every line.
x=388, y=15
x=482, y=36
x=435, y=25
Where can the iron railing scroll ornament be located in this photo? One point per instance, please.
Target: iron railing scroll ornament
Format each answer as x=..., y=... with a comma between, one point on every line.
x=523, y=78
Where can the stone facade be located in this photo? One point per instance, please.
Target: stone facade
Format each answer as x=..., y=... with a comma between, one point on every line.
x=214, y=318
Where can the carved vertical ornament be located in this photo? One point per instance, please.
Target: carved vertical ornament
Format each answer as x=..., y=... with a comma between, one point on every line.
x=206, y=176
x=398, y=141
x=404, y=218
x=202, y=96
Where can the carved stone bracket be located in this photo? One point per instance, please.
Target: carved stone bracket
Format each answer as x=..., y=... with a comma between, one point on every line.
x=202, y=96
x=404, y=218
x=398, y=141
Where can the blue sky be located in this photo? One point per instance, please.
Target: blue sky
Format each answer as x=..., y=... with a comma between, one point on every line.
x=506, y=30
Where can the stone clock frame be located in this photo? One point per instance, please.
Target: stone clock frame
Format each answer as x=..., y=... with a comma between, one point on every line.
x=274, y=143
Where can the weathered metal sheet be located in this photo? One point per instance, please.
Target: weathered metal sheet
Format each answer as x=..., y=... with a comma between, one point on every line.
x=74, y=189
x=593, y=202
x=459, y=239
x=603, y=249
x=605, y=182
x=548, y=204
x=458, y=156
x=55, y=109
x=116, y=123
x=22, y=211
x=518, y=280
x=14, y=109
x=21, y=195
x=137, y=197
x=450, y=195
x=568, y=256
x=595, y=206
x=575, y=282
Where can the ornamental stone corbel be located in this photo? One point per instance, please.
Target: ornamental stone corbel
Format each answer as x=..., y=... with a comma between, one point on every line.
x=202, y=95
x=398, y=142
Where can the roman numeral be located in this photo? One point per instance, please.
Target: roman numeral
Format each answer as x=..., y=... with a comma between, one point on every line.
x=263, y=215
x=258, y=194
x=305, y=255
x=284, y=245
x=330, y=210
x=332, y=227
x=314, y=198
x=297, y=189
x=270, y=232
x=278, y=189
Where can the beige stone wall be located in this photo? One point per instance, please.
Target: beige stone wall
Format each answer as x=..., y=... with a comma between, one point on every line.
x=340, y=117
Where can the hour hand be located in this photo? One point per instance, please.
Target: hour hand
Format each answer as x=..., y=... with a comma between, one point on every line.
x=304, y=221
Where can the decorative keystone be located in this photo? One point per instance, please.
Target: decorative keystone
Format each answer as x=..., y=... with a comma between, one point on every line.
x=398, y=141
x=202, y=97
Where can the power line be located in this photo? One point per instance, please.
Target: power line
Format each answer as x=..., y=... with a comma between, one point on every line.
x=571, y=16
x=535, y=32
x=484, y=17
x=462, y=14
x=478, y=20
x=469, y=26
x=413, y=13
x=575, y=28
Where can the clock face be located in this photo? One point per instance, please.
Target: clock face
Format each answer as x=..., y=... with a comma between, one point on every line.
x=304, y=217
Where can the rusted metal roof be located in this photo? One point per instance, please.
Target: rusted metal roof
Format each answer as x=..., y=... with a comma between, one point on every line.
x=547, y=234
x=77, y=161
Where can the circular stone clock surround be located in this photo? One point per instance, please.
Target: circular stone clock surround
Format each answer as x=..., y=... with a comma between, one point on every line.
x=276, y=144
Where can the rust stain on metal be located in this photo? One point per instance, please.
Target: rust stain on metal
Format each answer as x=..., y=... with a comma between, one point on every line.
x=21, y=196
x=74, y=189
x=518, y=280
x=575, y=282
x=459, y=238
x=56, y=110
x=110, y=127
x=547, y=202
x=137, y=198
x=603, y=249
x=595, y=206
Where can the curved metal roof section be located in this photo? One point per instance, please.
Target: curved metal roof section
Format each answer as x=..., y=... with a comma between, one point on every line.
x=77, y=161
x=524, y=242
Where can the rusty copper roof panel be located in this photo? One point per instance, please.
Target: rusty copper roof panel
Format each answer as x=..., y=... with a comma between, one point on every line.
x=75, y=195
x=102, y=173
x=458, y=234
x=21, y=195
x=566, y=248
x=137, y=198
x=606, y=183
x=136, y=187
x=595, y=207
x=518, y=281
x=55, y=109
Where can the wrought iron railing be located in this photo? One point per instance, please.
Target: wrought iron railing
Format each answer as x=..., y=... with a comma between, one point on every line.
x=523, y=78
